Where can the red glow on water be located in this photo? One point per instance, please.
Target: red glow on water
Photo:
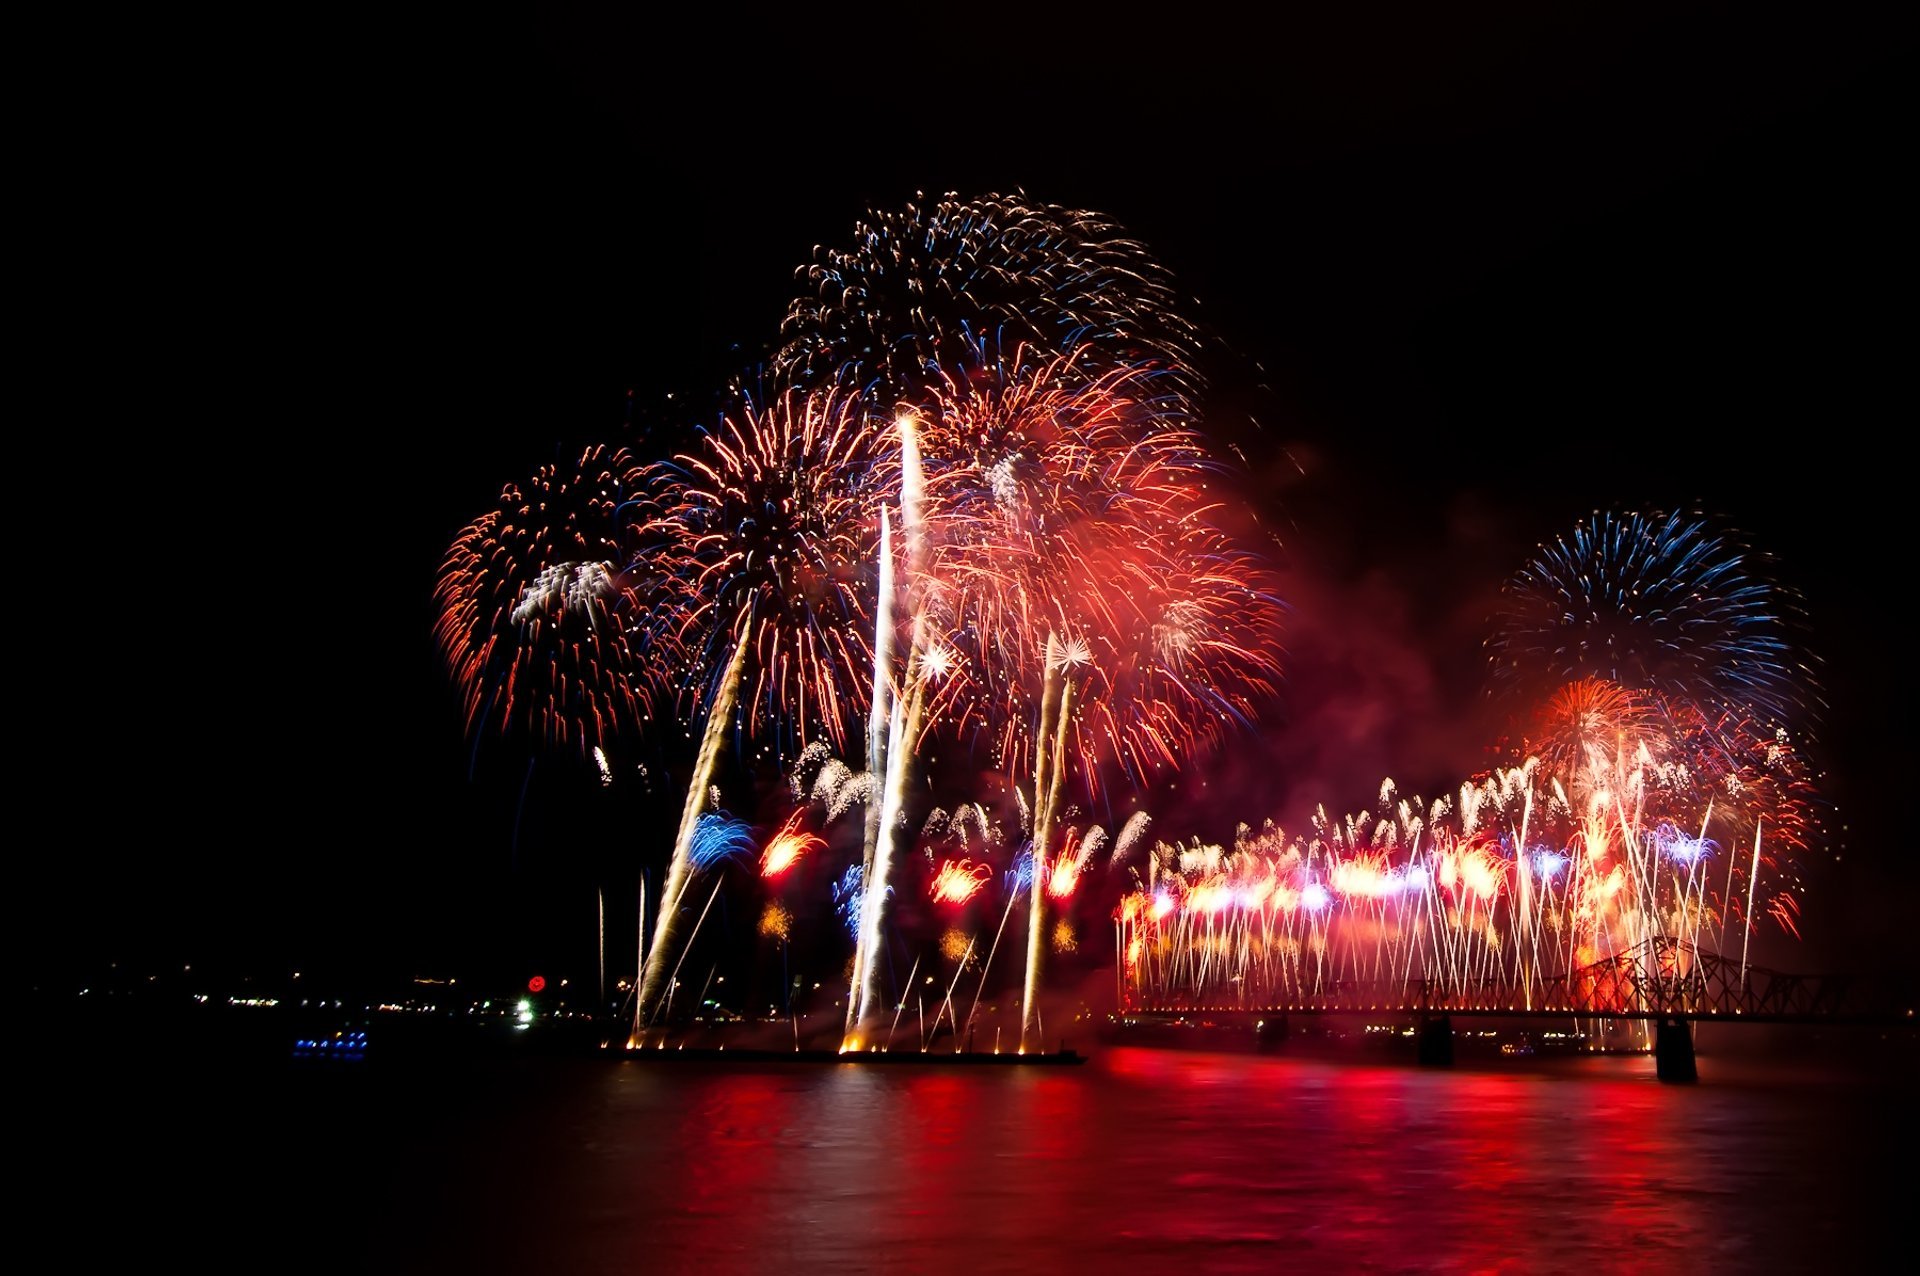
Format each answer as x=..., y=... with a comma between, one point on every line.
x=1320, y=1157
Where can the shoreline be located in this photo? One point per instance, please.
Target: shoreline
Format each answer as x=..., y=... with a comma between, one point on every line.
x=220, y=1038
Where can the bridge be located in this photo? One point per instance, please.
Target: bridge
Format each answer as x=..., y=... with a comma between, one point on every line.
x=1664, y=981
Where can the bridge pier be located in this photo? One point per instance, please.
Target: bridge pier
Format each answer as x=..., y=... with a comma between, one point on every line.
x=1436, y=1041
x=1673, y=1050
x=1270, y=1034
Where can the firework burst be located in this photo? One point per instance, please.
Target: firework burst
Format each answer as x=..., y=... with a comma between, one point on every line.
x=534, y=608
x=1080, y=512
x=1587, y=725
x=768, y=529
x=1659, y=603
x=898, y=311
x=1681, y=617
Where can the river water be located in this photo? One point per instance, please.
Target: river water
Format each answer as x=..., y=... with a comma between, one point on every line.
x=1140, y=1160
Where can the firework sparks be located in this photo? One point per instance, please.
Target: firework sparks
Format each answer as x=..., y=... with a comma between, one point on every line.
x=1132, y=835
x=958, y=881
x=762, y=536
x=769, y=528
x=776, y=922
x=533, y=610
x=1038, y=559
x=848, y=899
x=1664, y=603
x=786, y=847
x=822, y=778
x=719, y=837
x=1672, y=647
x=920, y=285
x=1069, y=532
x=1075, y=526
x=1512, y=884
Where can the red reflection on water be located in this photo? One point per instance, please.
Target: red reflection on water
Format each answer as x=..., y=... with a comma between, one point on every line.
x=1646, y=1188
x=736, y=1127
x=1409, y=1168
x=705, y=1179
x=1163, y=1160
x=1366, y=1106
x=938, y=1159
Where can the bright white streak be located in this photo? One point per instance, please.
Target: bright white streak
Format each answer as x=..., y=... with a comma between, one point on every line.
x=878, y=721
x=679, y=871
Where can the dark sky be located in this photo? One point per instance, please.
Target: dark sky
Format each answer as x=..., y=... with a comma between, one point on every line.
x=332, y=290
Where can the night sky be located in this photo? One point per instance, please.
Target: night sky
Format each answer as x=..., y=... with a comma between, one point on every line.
x=323, y=297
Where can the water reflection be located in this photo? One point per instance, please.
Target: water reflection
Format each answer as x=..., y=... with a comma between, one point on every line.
x=1185, y=1162
x=1140, y=1161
